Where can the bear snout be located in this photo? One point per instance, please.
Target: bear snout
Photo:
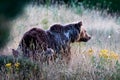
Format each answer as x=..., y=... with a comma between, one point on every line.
x=85, y=39
x=89, y=37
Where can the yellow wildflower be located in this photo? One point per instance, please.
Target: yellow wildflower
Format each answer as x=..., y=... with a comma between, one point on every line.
x=104, y=53
x=17, y=65
x=114, y=55
x=90, y=51
x=8, y=65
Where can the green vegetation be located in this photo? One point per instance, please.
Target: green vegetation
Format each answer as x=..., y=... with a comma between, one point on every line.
x=111, y=5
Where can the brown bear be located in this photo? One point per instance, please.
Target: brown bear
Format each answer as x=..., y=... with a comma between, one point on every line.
x=56, y=40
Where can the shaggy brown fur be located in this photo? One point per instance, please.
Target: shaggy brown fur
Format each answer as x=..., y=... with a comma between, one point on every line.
x=55, y=41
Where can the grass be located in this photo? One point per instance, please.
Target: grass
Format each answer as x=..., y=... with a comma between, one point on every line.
x=98, y=59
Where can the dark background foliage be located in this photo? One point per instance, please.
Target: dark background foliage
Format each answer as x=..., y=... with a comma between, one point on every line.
x=9, y=10
x=111, y=5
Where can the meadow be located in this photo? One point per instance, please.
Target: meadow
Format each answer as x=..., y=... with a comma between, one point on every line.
x=98, y=59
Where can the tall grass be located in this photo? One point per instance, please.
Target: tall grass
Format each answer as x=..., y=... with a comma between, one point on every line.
x=90, y=61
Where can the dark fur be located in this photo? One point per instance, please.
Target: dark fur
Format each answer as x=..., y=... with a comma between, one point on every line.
x=57, y=38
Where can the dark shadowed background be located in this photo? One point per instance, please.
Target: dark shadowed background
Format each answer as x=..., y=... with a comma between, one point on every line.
x=9, y=10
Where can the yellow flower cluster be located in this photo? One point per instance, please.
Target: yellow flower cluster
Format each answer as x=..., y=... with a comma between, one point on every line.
x=114, y=55
x=17, y=65
x=9, y=65
x=104, y=53
x=108, y=54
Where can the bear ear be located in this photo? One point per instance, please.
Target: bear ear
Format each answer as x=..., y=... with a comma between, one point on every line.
x=80, y=23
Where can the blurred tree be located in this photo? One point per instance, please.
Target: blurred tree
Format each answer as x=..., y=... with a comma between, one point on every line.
x=111, y=5
x=9, y=10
